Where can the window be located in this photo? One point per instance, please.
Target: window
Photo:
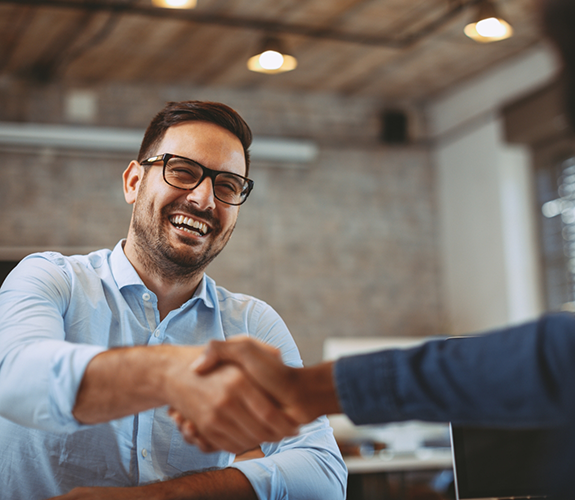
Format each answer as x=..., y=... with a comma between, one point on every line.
x=556, y=194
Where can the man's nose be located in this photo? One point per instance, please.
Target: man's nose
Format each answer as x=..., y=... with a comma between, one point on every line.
x=203, y=195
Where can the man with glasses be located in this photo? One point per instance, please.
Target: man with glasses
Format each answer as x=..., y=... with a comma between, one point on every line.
x=94, y=349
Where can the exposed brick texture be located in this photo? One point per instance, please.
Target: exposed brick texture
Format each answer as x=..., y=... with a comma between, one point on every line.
x=346, y=246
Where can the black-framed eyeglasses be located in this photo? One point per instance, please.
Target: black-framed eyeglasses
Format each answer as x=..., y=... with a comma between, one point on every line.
x=183, y=173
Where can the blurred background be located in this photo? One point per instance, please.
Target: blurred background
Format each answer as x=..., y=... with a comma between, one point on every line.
x=409, y=180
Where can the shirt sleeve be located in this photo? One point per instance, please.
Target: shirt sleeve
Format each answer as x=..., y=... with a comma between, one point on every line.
x=40, y=372
x=516, y=377
x=306, y=466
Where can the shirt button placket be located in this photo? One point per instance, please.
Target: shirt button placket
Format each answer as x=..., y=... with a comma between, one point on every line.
x=149, y=310
x=144, y=446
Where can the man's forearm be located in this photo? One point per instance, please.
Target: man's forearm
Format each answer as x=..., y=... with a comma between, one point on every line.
x=217, y=485
x=223, y=405
x=125, y=381
x=225, y=484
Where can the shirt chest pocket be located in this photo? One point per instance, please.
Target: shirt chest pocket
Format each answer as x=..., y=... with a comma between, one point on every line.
x=188, y=458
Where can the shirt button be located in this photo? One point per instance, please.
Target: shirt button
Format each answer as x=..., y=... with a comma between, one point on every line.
x=157, y=333
x=144, y=452
x=146, y=296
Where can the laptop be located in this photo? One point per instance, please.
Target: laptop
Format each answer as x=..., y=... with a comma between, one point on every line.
x=498, y=463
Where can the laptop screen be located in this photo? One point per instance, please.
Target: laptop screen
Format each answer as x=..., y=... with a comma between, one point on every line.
x=496, y=463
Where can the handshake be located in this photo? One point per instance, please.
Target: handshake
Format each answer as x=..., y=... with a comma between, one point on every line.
x=244, y=395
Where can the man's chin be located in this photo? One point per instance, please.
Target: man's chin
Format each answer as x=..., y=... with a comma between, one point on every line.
x=191, y=240
x=182, y=262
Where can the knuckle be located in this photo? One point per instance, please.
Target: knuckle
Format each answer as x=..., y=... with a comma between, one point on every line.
x=236, y=381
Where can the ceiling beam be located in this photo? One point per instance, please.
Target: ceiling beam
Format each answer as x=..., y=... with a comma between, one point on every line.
x=195, y=16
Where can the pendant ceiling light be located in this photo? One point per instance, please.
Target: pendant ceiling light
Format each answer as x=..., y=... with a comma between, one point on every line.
x=488, y=25
x=272, y=58
x=175, y=4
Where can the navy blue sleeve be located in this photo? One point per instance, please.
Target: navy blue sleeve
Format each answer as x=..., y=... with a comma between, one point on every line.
x=522, y=376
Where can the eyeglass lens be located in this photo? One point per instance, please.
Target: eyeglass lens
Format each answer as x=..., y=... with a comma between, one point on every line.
x=228, y=187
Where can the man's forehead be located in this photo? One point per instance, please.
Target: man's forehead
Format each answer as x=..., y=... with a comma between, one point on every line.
x=205, y=142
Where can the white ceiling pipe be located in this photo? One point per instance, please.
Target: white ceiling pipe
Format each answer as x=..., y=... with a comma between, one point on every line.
x=128, y=140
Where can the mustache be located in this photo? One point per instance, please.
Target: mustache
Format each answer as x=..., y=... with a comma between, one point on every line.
x=191, y=211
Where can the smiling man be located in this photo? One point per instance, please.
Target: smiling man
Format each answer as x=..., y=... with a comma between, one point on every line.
x=96, y=348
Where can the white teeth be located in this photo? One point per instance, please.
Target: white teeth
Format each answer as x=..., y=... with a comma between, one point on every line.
x=200, y=226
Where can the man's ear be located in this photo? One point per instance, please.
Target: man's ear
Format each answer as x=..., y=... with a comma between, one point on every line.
x=132, y=177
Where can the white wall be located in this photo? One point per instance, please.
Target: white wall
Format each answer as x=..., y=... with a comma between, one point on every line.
x=485, y=199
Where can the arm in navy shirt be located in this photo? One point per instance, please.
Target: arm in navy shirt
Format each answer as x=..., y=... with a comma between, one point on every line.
x=517, y=377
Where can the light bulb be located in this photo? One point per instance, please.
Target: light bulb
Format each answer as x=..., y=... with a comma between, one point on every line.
x=175, y=4
x=270, y=60
x=490, y=27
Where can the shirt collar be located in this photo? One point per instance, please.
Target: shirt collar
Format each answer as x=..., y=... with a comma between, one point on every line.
x=125, y=275
x=206, y=292
x=122, y=270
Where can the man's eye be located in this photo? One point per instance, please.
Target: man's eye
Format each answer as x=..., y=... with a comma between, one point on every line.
x=184, y=173
x=228, y=187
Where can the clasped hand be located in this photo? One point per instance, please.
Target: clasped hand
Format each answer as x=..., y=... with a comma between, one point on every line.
x=243, y=395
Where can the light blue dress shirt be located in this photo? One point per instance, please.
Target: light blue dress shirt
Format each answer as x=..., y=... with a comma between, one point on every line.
x=56, y=314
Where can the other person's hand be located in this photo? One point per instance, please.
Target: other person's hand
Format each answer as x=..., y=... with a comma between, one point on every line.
x=302, y=393
x=222, y=408
x=263, y=363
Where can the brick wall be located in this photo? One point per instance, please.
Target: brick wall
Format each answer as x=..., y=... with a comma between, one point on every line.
x=345, y=246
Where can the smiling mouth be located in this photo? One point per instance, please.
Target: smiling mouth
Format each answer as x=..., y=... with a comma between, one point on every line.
x=189, y=225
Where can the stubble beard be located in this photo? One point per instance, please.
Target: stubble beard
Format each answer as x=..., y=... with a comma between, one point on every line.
x=158, y=257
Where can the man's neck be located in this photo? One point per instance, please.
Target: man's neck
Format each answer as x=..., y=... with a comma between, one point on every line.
x=171, y=293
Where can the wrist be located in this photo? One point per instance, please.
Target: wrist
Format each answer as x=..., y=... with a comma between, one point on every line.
x=120, y=382
x=318, y=393
x=175, y=369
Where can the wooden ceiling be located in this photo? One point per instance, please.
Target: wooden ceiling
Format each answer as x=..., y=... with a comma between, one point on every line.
x=392, y=49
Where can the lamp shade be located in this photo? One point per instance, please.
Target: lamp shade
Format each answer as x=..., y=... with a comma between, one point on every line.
x=175, y=4
x=272, y=58
x=488, y=25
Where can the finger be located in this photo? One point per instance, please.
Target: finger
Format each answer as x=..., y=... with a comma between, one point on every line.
x=176, y=416
x=251, y=416
x=189, y=431
x=209, y=359
x=185, y=426
x=262, y=362
x=228, y=438
x=204, y=445
x=223, y=427
x=229, y=426
x=255, y=357
x=225, y=421
x=191, y=435
x=216, y=353
x=264, y=419
x=211, y=424
x=205, y=362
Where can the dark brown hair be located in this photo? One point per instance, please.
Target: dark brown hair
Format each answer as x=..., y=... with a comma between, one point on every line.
x=175, y=113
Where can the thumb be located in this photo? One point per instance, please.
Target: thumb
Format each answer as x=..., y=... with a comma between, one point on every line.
x=208, y=360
